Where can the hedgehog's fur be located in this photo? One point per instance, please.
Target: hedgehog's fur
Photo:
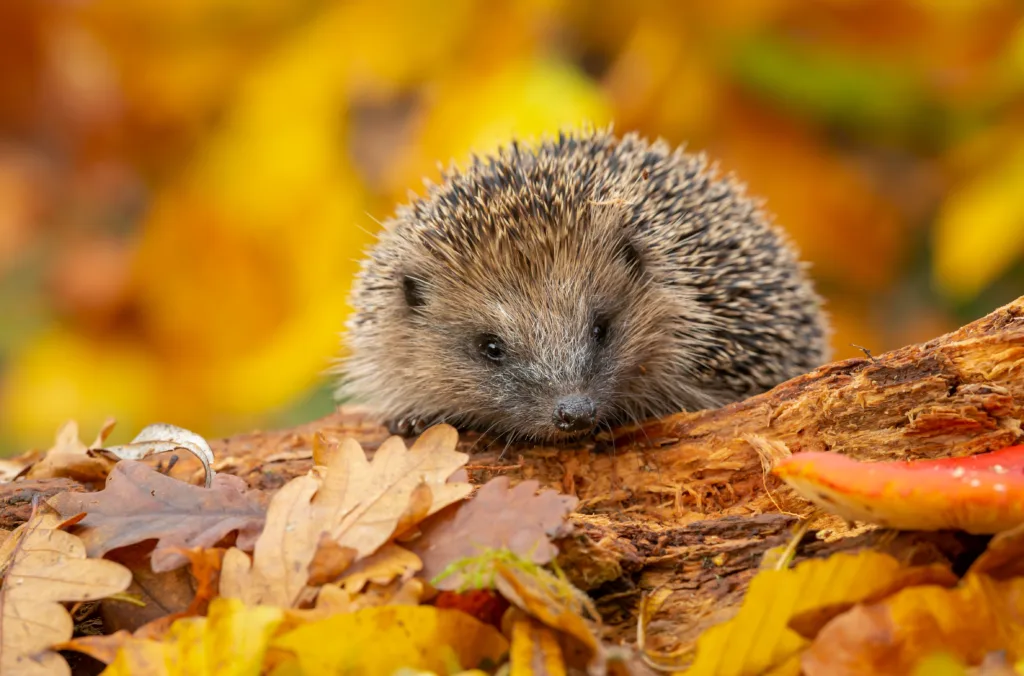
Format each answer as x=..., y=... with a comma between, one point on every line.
x=704, y=301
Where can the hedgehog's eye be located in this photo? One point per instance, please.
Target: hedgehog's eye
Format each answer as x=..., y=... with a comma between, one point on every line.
x=491, y=347
x=599, y=330
x=412, y=289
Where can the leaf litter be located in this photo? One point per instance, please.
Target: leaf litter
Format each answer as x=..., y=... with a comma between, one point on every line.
x=70, y=458
x=358, y=552
x=44, y=566
x=139, y=503
x=359, y=505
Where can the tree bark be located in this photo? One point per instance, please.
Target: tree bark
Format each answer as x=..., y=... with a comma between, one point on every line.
x=959, y=394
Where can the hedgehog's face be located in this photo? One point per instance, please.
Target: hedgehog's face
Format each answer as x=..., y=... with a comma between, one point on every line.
x=541, y=343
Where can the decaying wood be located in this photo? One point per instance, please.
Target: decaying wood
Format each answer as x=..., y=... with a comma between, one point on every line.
x=685, y=503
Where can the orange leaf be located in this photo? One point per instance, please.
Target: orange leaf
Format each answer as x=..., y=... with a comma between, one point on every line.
x=978, y=494
x=979, y=616
x=535, y=650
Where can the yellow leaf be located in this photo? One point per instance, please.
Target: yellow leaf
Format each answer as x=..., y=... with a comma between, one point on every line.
x=139, y=656
x=535, y=650
x=758, y=637
x=43, y=567
x=416, y=637
x=979, y=616
x=980, y=229
x=231, y=641
x=550, y=600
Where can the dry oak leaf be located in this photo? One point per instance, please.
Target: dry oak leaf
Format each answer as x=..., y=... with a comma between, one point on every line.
x=70, y=458
x=518, y=519
x=386, y=564
x=138, y=503
x=44, y=566
x=978, y=494
x=365, y=501
x=231, y=640
x=357, y=503
x=411, y=637
x=979, y=616
x=758, y=638
x=278, y=571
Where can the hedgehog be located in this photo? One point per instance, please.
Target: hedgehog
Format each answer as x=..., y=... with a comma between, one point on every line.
x=584, y=281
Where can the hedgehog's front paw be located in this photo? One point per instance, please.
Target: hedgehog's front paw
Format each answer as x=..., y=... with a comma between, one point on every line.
x=410, y=425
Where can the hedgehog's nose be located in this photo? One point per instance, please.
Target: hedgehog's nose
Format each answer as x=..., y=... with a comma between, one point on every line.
x=575, y=413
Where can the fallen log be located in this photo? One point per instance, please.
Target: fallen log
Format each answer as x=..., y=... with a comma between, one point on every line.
x=959, y=394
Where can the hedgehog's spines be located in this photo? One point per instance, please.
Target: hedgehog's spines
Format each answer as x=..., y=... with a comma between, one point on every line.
x=723, y=307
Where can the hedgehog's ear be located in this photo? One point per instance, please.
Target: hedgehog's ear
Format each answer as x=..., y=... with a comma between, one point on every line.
x=629, y=254
x=413, y=291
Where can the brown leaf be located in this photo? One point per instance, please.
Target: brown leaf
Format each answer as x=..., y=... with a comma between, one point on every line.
x=521, y=520
x=140, y=504
x=330, y=561
x=161, y=594
x=12, y=468
x=70, y=458
x=360, y=504
x=420, y=503
x=486, y=605
x=44, y=567
x=279, y=568
x=386, y=564
x=366, y=501
x=158, y=594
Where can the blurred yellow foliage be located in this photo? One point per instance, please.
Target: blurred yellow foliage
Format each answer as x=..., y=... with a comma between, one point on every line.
x=186, y=185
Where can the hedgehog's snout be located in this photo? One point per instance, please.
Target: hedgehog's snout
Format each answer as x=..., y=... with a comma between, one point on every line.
x=575, y=413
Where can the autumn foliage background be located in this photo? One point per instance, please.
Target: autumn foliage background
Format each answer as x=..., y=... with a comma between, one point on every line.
x=185, y=185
